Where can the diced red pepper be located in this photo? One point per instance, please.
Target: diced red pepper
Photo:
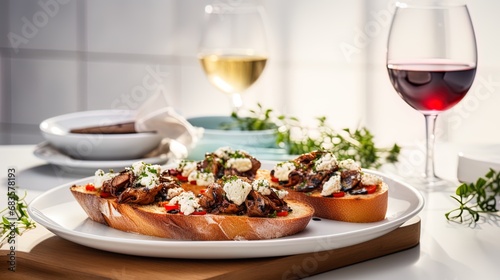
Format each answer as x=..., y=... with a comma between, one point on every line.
x=371, y=189
x=192, y=182
x=203, y=190
x=274, y=179
x=282, y=214
x=338, y=194
x=182, y=178
x=201, y=212
x=169, y=207
x=90, y=187
x=105, y=194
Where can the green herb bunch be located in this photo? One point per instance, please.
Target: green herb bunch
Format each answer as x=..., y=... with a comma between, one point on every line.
x=15, y=219
x=297, y=138
x=258, y=119
x=475, y=199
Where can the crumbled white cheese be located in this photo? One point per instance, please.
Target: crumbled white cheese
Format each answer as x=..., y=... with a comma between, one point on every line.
x=150, y=178
x=149, y=181
x=193, y=176
x=326, y=162
x=237, y=190
x=282, y=169
x=331, y=186
x=240, y=164
x=186, y=167
x=188, y=202
x=349, y=164
x=370, y=179
x=100, y=177
x=281, y=193
x=148, y=175
x=262, y=186
x=224, y=152
x=137, y=167
x=173, y=192
x=201, y=178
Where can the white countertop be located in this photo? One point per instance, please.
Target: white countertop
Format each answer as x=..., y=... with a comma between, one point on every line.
x=447, y=250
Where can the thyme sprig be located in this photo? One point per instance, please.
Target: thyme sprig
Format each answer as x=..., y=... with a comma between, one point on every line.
x=297, y=138
x=15, y=219
x=476, y=199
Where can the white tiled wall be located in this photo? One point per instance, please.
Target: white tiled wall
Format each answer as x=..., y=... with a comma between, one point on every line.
x=94, y=54
x=131, y=26
x=4, y=113
x=45, y=24
x=137, y=82
x=42, y=88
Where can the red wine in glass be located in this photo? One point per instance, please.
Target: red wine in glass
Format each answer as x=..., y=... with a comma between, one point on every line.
x=431, y=61
x=431, y=87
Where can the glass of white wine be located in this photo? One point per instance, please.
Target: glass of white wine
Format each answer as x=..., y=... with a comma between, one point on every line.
x=233, y=47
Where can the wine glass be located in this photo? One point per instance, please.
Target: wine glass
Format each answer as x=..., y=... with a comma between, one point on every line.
x=431, y=60
x=233, y=48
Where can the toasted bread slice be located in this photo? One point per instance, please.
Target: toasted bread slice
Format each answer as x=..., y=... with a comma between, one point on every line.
x=155, y=221
x=350, y=208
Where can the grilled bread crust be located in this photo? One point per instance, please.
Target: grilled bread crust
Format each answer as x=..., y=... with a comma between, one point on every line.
x=155, y=221
x=350, y=208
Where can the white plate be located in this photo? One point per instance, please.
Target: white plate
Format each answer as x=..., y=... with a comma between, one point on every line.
x=58, y=211
x=50, y=154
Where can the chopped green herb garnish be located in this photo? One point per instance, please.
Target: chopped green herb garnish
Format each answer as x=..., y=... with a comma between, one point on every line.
x=15, y=220
x=152, y=170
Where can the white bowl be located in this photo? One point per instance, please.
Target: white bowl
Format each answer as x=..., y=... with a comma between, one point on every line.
x=215, y=137
x=475, y=163
x=56, y=131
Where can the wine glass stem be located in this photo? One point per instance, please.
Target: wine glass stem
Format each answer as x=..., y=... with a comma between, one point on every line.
x=237, y=102
x=430, y=125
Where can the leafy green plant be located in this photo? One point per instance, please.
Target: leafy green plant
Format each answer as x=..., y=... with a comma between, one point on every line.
x=15, y=219
x=475, y=199
x=296, y=138
x=258, y=119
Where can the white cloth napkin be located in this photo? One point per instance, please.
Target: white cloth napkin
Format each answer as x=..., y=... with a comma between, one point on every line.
x=155, y=114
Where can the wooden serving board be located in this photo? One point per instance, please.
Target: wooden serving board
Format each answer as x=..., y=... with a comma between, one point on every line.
x=56, y=258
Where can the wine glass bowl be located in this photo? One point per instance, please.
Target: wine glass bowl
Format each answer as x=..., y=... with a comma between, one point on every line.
x=233, y=73
x=433, y=86
x=431, y=62
x=233, y=48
